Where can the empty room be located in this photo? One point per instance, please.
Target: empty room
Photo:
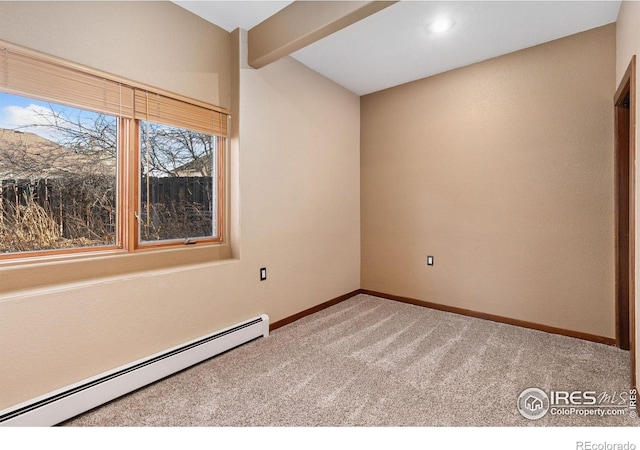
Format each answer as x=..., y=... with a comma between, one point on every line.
x=332, y=214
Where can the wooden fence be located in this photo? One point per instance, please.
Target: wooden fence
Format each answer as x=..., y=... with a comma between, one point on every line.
x=192, y=190
x=85, y=206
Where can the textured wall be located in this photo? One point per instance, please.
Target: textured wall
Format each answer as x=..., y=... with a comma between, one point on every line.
x=296, y=202
x=158, y=42
x=503, y=171
x=627, y=45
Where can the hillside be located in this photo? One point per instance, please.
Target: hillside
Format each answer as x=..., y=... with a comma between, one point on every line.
x=26, y=155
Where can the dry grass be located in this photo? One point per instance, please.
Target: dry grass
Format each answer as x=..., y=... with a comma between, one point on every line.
x=175, y=220
x=29, y=227
x=81, y=212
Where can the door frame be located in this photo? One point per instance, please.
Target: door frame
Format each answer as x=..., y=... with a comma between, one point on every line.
x=624, y=145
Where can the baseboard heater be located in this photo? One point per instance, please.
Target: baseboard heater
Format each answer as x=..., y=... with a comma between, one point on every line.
x=65, y=403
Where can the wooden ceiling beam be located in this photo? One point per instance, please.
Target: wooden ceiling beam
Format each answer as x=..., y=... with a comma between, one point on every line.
x=302, y=23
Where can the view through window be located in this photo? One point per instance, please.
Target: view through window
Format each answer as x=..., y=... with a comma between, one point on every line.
x=178, y=194
x=58, y=168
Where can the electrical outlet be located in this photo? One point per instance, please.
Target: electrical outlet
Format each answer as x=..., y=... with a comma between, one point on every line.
x=429, y=260
x=263, y=274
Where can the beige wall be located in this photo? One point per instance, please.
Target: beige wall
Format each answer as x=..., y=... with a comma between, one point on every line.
x=158, y=42
x=503, y=171
x=627, y=45
x=295, y=194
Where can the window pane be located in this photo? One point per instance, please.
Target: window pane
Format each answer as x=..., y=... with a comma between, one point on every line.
x=177, y=192
x=57, y=176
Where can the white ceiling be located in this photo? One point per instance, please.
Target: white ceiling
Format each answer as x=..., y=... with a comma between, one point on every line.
x=395, y=46
x=233, y=14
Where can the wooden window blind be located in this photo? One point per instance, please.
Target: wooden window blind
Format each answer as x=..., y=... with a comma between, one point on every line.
x=159, y=108
x=32, y=74
x=27, y=73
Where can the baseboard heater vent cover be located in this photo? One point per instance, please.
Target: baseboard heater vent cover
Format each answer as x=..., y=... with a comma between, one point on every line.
x=65, y=403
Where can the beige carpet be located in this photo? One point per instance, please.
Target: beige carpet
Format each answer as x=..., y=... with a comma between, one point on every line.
x=375, y=362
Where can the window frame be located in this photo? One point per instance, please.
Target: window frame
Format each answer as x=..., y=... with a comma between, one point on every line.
x=128, y=160
x=218, y=182
x=119, y=244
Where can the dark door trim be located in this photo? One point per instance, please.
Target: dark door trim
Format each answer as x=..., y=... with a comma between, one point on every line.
x=625, y=181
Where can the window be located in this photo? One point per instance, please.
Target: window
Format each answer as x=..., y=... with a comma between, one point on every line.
x=88, y=161
x=58, y=176
x=178, y=191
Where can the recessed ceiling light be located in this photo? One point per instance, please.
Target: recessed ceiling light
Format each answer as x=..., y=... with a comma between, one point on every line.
x=440, y=25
